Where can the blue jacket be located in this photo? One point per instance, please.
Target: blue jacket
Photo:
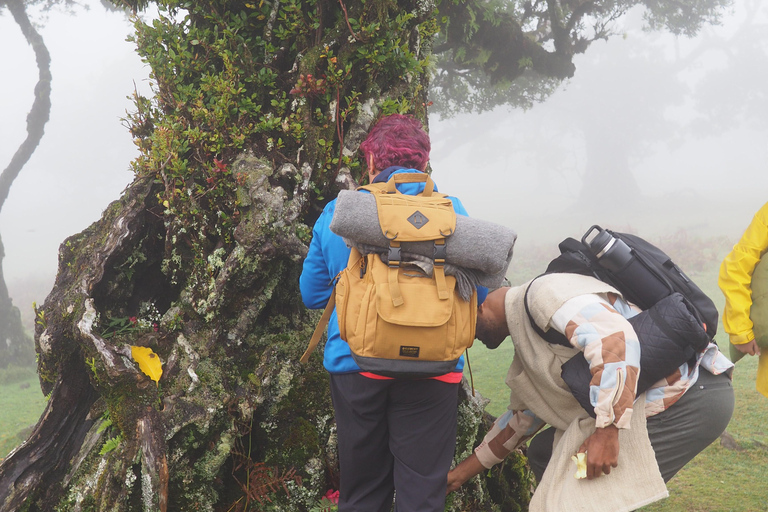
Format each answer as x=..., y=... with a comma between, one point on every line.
x=327, y=256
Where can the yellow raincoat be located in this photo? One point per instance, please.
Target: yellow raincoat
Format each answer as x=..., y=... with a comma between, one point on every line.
x=735, y=282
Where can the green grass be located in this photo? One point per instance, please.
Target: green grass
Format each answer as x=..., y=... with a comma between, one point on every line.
x=21, y=404
x=722, y=480
x=718, y=479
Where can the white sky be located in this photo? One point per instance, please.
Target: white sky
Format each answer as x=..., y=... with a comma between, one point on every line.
x=81, y=164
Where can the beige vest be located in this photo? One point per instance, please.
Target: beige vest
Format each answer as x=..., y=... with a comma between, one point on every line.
x=535, y=384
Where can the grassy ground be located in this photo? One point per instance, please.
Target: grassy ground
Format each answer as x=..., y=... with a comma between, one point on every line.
x=718, y=479
x=21, y=404
x=722, y=480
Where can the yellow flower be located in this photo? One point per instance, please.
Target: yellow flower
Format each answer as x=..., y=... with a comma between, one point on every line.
x=581, y=465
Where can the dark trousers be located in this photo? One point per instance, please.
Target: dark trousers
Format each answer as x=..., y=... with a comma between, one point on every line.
x=677, y=434
x=395, y=437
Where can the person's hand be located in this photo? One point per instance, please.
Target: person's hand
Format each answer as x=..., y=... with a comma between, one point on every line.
x=602, y=449
x=751, y=348
x=466, y=469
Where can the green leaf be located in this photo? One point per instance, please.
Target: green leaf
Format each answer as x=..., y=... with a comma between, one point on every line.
x=110, y=445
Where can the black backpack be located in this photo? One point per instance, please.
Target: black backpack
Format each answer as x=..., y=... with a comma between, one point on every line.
x=644, y=275
x=674, y=307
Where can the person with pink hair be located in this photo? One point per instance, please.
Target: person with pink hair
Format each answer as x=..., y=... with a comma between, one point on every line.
x=396, y=437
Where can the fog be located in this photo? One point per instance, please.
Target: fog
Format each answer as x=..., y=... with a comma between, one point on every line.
x=82, y=162
x=682, y=120
x=687, y=119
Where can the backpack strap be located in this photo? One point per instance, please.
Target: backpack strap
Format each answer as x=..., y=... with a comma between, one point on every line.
x=438, y=269
x=393, y=258
x=320, y=328
x=411, y=177
x=390, y=186
x=551, y=335
x=354, y=255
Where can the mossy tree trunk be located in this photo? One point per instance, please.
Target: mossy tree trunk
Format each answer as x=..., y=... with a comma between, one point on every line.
x=257, y=115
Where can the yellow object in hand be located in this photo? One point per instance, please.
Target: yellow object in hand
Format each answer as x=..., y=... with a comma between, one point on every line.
x=581, y=465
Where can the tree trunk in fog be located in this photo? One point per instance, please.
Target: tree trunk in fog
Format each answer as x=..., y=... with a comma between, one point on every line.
x=608, y=179
x=15, y=345
x=235, y=422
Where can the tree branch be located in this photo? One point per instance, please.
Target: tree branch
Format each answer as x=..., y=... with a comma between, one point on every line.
x=41, y=108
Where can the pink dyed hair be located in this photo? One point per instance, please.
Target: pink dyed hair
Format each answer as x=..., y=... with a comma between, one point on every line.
x=397, y=139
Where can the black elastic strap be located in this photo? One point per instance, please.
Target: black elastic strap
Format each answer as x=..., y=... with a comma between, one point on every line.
x=550, y=336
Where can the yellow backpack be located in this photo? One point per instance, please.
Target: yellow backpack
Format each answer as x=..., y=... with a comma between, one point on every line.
x=398, y=321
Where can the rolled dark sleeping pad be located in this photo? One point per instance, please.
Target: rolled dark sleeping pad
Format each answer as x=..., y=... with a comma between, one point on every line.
x=670, y=333
x=482, y=246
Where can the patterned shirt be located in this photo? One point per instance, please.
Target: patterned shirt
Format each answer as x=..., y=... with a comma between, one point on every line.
x=597, y=325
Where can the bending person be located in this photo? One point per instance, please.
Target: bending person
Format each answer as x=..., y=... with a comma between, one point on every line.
x=672, y=422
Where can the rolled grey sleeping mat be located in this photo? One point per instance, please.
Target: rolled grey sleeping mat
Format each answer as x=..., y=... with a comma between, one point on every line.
x=476, y=244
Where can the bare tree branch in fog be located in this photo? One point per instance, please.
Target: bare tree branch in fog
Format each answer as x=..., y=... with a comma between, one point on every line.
x=15, y=345
x=632, y=100
x=41, y=108
x=516, y=52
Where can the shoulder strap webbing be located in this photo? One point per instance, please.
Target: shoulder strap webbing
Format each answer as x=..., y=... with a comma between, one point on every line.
x=320, y=328
x=354, y=255
x=394, y=267
x=551, y=336
x=438, y=269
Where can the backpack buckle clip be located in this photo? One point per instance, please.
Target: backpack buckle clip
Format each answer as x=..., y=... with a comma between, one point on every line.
x=440, y=253
x=393, y=256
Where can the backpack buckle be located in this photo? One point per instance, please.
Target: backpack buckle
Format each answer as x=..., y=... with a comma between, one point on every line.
x=393, y=256
x=440, y=253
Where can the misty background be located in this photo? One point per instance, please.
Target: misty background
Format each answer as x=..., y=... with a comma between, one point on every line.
x=655, y=134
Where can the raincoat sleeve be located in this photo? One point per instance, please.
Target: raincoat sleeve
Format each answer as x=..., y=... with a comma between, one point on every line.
x=735, y=281
x=736, y=276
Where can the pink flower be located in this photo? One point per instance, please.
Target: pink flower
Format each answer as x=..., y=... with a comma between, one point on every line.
x=155, y=327
x=332, y=496
x=133, y=319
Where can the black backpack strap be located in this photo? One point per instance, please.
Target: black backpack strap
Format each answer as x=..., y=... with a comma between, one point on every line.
x=576, y=258
x=550, y=336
